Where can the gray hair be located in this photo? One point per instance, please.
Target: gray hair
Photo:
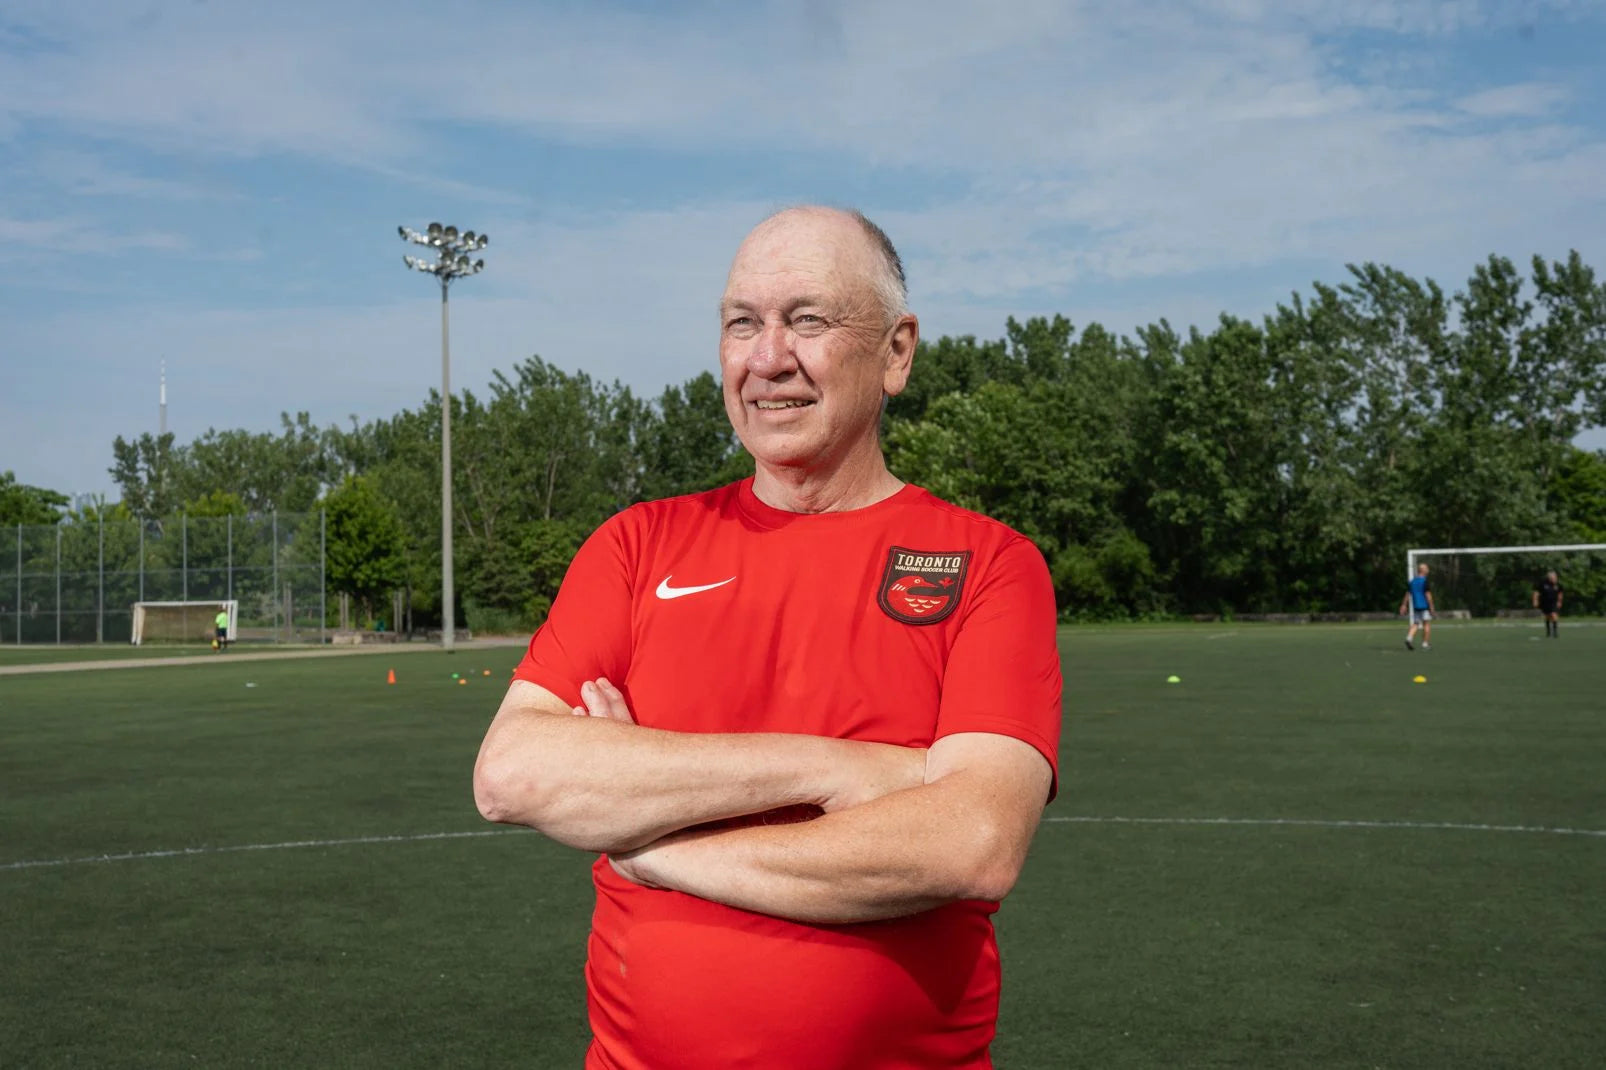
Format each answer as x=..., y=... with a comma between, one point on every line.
x=891, y=285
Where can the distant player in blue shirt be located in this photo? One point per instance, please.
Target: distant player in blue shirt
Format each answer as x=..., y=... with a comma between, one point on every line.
x=1419, y=600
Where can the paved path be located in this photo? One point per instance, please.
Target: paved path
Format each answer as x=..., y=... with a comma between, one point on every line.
x=274, y=655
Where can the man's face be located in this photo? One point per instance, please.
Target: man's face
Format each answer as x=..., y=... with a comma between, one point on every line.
x=805, y=349
x=1421, y=570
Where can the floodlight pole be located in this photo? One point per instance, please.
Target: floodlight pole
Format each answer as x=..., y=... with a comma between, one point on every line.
x=448, y=596
x=453, y=263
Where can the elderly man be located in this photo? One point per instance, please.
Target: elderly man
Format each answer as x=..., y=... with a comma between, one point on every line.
x=810, y=720
x=1418, y=601
x=1547, y=600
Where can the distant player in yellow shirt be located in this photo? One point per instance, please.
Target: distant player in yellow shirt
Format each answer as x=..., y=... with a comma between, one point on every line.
x=221, y=642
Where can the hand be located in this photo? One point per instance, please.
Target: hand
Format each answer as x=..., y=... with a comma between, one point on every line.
x=604, y=700
x=635, y=866
x=624, y=864
x=871, y=771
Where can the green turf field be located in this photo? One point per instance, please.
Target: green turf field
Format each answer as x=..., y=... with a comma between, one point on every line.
x=1278, y=941
x=44, y=655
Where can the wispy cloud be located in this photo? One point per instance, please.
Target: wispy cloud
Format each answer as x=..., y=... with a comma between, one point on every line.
x=1151, y=153
x=455, y=189
x=1169, y=134
x=80, y=236
x=88, y=174
x=1527, y=100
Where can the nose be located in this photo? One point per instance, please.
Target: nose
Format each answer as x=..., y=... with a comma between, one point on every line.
x=772, y=355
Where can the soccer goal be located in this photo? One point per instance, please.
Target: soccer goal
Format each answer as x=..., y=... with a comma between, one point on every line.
x=1492, y=581
x=182, y=622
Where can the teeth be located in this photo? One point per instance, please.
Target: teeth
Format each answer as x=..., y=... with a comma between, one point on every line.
x=782, y=404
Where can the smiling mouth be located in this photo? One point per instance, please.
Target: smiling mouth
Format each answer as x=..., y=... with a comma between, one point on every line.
x=776, y=406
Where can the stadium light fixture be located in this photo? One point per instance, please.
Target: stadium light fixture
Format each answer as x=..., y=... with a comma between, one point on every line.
x=452, y=262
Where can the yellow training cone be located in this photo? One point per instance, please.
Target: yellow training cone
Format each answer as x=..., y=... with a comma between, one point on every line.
x=1419, y=680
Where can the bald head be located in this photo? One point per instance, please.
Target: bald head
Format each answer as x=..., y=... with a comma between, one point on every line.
x=813, y=337
x=863, y=250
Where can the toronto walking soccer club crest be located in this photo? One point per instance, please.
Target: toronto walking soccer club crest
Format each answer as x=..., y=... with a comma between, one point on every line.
x=922, y=586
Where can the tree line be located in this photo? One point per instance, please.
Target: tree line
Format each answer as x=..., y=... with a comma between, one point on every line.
x=1284, y=465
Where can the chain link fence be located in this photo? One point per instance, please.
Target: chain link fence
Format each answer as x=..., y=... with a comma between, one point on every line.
x=77, y=581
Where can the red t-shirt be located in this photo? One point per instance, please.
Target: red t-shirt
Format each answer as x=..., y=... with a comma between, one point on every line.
x=899, y=623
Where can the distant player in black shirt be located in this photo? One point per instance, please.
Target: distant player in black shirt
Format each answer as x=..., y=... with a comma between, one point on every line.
x=1547, y=599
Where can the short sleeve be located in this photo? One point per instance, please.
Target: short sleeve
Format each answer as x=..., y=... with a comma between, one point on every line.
x=1003, y=672
x=587, y=634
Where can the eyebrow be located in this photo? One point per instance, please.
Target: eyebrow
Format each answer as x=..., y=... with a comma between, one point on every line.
x=732, y=304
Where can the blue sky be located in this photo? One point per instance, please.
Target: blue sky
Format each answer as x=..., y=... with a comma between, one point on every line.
x=219, y=184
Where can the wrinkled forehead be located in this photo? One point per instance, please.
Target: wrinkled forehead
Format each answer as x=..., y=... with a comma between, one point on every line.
x=818, y=252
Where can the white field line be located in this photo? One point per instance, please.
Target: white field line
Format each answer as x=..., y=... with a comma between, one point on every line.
x=1296, y=822
x=1300, y=822
x=180, y=852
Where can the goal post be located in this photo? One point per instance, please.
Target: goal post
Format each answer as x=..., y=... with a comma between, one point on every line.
x=193, y=622
x=1528, y=565
x=1412, y=555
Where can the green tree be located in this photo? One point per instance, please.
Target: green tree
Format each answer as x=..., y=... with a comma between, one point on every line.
x=1049, y=454
x=366, y=547
x=1278, y=465
x=1578, y=493
x=24, y=504
x=1218, y=493
x=144, y=472
x=266, y=472
x=688, y=445
x=953, y=366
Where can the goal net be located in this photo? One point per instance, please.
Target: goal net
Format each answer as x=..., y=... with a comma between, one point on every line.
x=1499, y=581
x=181, y=622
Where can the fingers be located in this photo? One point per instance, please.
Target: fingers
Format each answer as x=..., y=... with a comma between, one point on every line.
x=627, y=868
x=603, y=699
x=636, y=866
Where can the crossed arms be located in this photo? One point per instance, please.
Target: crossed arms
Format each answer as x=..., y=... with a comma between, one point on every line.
x=903, y=830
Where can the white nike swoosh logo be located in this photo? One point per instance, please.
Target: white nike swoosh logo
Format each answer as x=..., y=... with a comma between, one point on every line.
x=666, y=592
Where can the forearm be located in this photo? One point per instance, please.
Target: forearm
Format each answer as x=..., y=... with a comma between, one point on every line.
x=902, y=854
x=603, y=785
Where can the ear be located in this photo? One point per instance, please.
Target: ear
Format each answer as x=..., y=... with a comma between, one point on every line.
x=900, y=358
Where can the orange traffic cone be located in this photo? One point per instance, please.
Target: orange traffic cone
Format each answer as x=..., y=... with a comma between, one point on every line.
x=390, y=677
